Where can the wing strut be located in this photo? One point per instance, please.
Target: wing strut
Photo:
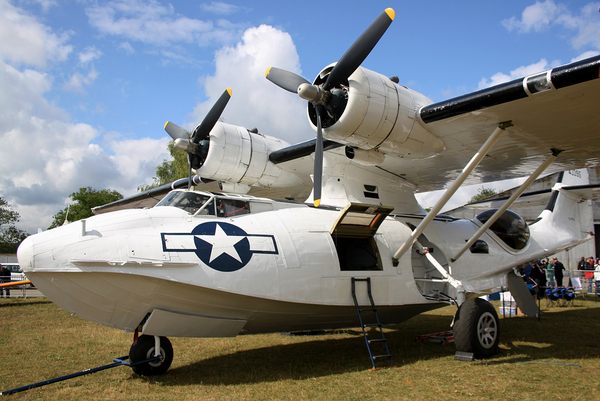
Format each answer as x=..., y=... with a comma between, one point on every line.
x=508, y=203
x=474, y=162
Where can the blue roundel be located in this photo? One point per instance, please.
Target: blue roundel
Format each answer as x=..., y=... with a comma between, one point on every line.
x=222, y=246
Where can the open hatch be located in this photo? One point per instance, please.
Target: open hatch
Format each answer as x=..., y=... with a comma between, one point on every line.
x=353, y=234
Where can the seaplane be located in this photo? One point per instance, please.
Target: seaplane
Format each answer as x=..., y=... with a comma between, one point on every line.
x=347, y=236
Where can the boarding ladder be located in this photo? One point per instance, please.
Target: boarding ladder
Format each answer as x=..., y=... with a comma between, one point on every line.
x=381, y=341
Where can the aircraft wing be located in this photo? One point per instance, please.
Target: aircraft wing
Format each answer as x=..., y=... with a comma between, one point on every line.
x=551, y=110
x=556, y=109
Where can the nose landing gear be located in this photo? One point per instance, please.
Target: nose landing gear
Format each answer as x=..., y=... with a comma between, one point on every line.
x=144, y=348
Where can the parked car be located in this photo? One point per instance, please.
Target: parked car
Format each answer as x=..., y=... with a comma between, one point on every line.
x=16, y=273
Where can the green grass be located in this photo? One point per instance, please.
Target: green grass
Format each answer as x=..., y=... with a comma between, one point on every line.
x=556, y=358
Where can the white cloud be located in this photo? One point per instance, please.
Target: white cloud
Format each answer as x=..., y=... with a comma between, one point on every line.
x=90, y=54
x=218, y=7
x=126, y=46
x=145, y=21
x=587, y=25
x=255, y=101
x=50, y=158
x=46, y=4
x=583, y=56
x=537, y=17
x=136, y=160
x=541, y=16
x=78, y=81
x=519, y=72
x=24, y=40
x=46, y=156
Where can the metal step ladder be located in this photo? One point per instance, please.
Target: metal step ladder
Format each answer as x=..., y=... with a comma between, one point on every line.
x=382, y=342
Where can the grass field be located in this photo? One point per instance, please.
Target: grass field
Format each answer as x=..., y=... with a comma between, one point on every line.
x=556, y=358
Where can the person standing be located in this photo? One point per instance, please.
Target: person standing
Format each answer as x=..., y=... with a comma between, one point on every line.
x=597, y=279
x=539, y=275
x=4, y=278
x=558, y=272
x=550, y=272
x=591, y=264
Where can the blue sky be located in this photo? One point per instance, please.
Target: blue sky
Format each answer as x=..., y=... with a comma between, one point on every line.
x=87, y=86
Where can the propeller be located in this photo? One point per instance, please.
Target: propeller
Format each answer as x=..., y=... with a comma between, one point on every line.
x=329, y=98
x=197, y=145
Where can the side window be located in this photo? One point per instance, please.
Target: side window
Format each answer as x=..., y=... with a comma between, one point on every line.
x=357, y=253
x=208, y=209
x=189, y=201
x=231, y=207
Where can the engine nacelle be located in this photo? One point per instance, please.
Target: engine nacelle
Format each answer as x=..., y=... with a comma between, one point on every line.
x=238, y=156
x=377, y=114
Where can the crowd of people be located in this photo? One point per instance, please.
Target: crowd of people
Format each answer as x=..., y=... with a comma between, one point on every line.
x=545, y=273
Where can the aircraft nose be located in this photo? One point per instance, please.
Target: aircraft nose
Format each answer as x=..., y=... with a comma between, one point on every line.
x=25, y=254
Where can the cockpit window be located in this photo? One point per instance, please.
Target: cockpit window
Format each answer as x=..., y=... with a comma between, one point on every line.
x=201, y=205
x=191, y=202
x=510, y=228
x=231, y=207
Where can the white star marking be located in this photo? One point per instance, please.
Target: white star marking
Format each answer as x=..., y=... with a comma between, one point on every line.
x=222, y=243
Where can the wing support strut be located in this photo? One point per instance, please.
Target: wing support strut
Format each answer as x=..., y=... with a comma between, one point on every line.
x=474, y=162
x=508, y=203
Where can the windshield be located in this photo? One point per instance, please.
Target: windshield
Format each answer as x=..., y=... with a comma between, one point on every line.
x=188, y=201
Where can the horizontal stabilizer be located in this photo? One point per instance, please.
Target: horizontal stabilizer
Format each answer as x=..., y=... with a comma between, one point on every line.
x=539, y=198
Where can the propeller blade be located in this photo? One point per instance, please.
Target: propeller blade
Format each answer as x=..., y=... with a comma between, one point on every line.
x=318, y=169
x=359, y=50
x=285, y=79
x=211, y=118
x=175, y=131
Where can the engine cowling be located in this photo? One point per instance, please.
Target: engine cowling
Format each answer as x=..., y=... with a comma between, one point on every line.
x=238, y=156
x=369, y=111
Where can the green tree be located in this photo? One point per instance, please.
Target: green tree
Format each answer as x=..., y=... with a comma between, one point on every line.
x=483, y=193
x=84, y=200
x=169, y=170
x=10, y=236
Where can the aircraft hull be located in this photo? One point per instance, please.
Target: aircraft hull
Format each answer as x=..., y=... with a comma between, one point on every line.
x=124, y=300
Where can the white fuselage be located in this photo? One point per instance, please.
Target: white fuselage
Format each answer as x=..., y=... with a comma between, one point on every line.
x=274, y=268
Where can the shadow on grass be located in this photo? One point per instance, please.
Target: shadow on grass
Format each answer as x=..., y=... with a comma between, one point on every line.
x=326, y=355
x=16, y=303
x=569, y=334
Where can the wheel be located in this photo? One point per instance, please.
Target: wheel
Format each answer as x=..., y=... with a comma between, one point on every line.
x=144, y=349
x=476, y=328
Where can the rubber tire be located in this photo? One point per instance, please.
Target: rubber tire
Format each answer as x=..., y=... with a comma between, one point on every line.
x=476, y=328
x=144, y=349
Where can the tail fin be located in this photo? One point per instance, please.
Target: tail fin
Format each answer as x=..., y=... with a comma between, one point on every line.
x=567, y=219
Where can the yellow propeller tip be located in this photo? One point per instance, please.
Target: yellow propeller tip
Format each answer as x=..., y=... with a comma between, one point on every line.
x=165, y=127
x=267, y=73
x=229, y=91
x=391, y=13
x=317, y=202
